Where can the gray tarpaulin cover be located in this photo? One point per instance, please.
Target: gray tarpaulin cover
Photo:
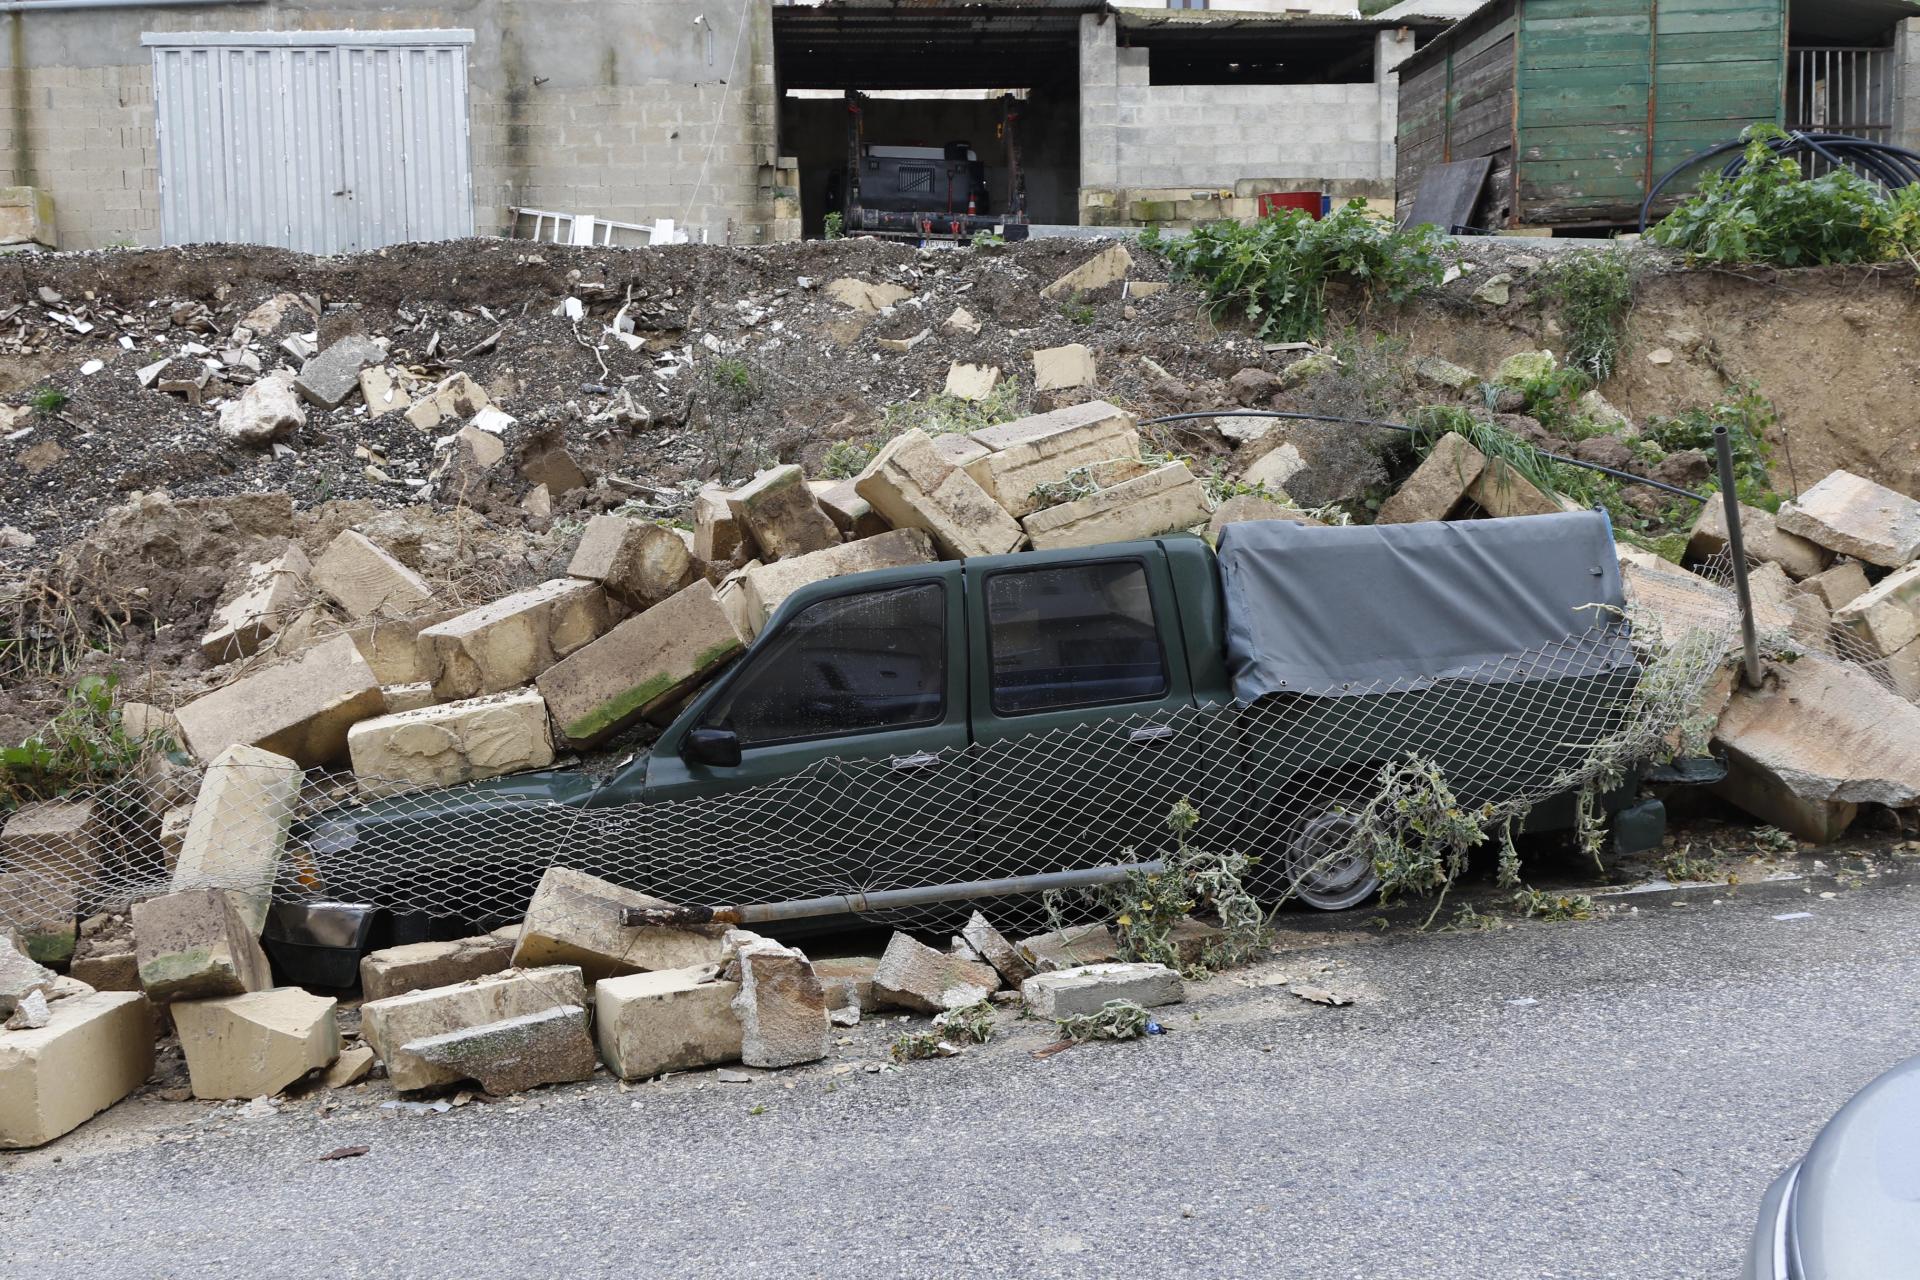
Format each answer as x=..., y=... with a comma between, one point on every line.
x=1311, y=609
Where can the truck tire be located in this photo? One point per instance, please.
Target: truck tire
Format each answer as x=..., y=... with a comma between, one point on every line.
x=1327, y=874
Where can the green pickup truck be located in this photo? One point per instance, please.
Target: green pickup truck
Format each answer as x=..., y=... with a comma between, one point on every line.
x=963, y=721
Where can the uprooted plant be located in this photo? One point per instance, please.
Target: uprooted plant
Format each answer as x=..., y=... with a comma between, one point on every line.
x=86, y=745
x=1593, y=293
x=1114, y=1020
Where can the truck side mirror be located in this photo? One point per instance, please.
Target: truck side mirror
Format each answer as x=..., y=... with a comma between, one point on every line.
x=714, y=746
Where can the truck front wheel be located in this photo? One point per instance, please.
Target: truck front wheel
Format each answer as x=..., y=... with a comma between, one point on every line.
x=1328, y=873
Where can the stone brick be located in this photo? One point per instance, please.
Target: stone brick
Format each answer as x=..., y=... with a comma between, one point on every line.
x=455, y=396
x=1109, y=266
x=392, y=646
x=852, y=514
x=1268, y=463
x=763, y=588
x=638, y=562
x=1163, y=500
x=992, y=946
x=1063, y=368
x=914, y=976
x=414, y=966
x=550, y=1046
x=1760, y=534
x=1502, y=491
x=95, y=1050
x=574, y=919
x=1044, y=448
x=239, y=830
x=1069, y=948
x=782, y=515
x=505, y=644
x=1439, y=485
x=781, y=1006
x=268, y=601
x=60, y=839
x=913, y=487
x=383, y=391
x=353, y=1065
x=718, y=536
x=1886, y=618
x=1853, y=516
x=640, y=667
x=401, y=697
x=958, y=450
x=1839, y=586
x=452, y=742
x=673, y=1020
x=1071, y=993
x=255, y=1045
x=366, y=581
x=330, y=377
x=193, y=945
x=41, y=910
x=392, y=1024
x=971, y=382
x=300, y=707
x=848, y=981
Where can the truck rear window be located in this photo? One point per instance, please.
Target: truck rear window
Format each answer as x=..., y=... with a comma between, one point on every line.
x=852, y=664
x=1073, y=636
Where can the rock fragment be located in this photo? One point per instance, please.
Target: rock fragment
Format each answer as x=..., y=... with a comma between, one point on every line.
x=255, y=1045
x=781, y=1006
x=451, y=742
x=914, y=976
x=95, y=1050
x=193, y=945
x=574, y=919
x=672, y=1020
x=391, y=1025
x=1071, y=993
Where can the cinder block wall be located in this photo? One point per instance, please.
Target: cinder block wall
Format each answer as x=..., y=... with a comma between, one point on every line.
x=627, y=109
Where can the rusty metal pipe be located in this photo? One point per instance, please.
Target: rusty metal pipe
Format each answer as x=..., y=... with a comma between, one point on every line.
x=1737, y=552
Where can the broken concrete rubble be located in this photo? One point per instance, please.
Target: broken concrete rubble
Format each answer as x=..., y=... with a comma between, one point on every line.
x=549, y=1046
x=780, y=513
x=574, y=919
x=330, y=377
x=1072, y=993
x=1439, y=485
x=648, y=1024
x=780, y=1004
x=455, y=396
x=255, y=1045
x=1853, y=516
x=860, y=296
x=1069, y=948
x=913, y=487
x=1043, y=449
x=382, y=389
x=505, y=644
x=391, y=1025
x=992, y=946
x=638, y=562
x=366, y=581
x=266, y=411
x=914, y=976
x=453, y=742
x=273, y=590
x=1886, y=617
x=415, y=966
x=1161, y=501
x=764, y=587
x=238, y=830
x=95, y=1050
x=299, y=707
x=193, y=945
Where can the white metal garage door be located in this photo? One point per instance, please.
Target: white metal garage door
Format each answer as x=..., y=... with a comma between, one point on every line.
x=323, y=141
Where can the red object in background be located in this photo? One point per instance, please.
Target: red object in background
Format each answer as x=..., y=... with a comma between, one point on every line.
x=1309, y=202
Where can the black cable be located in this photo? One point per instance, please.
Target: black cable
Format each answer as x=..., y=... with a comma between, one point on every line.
x=1892, y=166
x=1414, y=431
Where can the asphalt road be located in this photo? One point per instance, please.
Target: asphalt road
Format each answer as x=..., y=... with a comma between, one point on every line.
x=1603, y=1099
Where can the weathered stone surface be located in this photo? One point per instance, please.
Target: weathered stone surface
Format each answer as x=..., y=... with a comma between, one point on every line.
x=869, y=299
x=505, y=644
x=1161, y=501
x=366, y=581
x=638, y=562
x=957, y=450
x=1063, y=368
x=914, y=976
x=848, y=981
x=574, y=919
x=550, y=1046
x=852, y=514
x=781, y=1006
x=1272, y=467
x=1251, y=506
x=60, y=839
x=95, y=1050
x=972, y=382
x=268, y=601
x=452, y=742
x=351, y=1067
x=1109, y=266
x=674, y=1020
x=781, y=514
x=330, y=377
x=455, y=396
x=1886, y=618
x=1903, y=672
x=718, y=536
x=961, y=323
x=1444, y=373
x=1762, y=537
x=415, y=966
x=106, y=970
x=1044, y=448
x=392, y=646
x=255, y=1045
x=1853, y=516
x=1070, y=993
x=239, y=830
x=193, y=945
x=41, y=910
x=266, y=411
x=1819, y=740
x=382, y=389
x=763, y=588
x=639, y=667
x=1839, y=586
x=1502, y=491
x=913, y=487
x=401, y=697
x=300, y=707
x=1069, y=948
x=20, y=976
x=1438, y=485
x=992, y=946
x=393, y=1024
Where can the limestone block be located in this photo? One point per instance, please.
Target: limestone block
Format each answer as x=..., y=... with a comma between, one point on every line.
x=718, y=536
x=860, y=296
x=60, y=839
x=961, y=323
x=638, y=562
x=992, y=946
x=1063, y=368
x=329, y=378
x=1069, y=948
x=1109, y=266
x=1839, y=586
x=1439, y=485
x=1163, y=500
x=505, y=644
x=266, y=411
x=391, y=646
x=574, y=919
x=41, y=910
x=455, y=396
x=972, y=382
x=1886, y=618
x=415, y=966
x=1251, y=506
x=382, y=389
x=848, y=981
x=193, y=945
x=913, y=487
x=781, y=514
x=401, y=697
x=958, y=450
x=1853, y=516
x=300, y=707
x=353, y=1065
x=95, y=1050
x=549, y=1046
x=20, y=976
x=1502, y=491
x=367, y=582
x=1071, y=993
x=1444, y=373
x=392, y=1024
x=1272, y=468
x=239, y=830
x=269, y=600
x=1762, y=537
x=1044, y=448
x=852, y=514
x=781, y=1006
x=255, y=1045
x=914, y=976
x=765, y=587
x=674, y=1020
x=451, y=742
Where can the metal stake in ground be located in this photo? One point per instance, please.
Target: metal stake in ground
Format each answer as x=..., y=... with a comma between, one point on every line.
x=1737, y=551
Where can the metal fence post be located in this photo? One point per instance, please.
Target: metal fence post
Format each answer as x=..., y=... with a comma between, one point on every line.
x=1737, y=551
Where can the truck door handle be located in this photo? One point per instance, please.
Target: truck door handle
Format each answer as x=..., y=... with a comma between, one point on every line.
x=918, y=760
x=1150, y=733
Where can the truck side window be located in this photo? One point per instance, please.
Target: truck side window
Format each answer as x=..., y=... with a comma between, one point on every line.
x=852, y=664
x=1075, y=636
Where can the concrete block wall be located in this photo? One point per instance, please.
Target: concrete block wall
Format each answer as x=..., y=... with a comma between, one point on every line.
x=86, y=133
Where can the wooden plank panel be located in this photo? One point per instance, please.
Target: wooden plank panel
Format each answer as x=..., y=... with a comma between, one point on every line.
x=1711, y=104
x=1550, y=79
x=1619, y=145
x=1573, y=10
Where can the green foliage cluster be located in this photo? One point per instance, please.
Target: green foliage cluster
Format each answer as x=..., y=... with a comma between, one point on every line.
x=1747, y=416
x=48, y=400
x=85, y=746
x=845, y=459
x=1276, y=270
x=1147, y=906
x=941, y=414
x=1772, y=213
x=1593, y=293
x=834, y=225
x=1114, y=1020
x=733, y=379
